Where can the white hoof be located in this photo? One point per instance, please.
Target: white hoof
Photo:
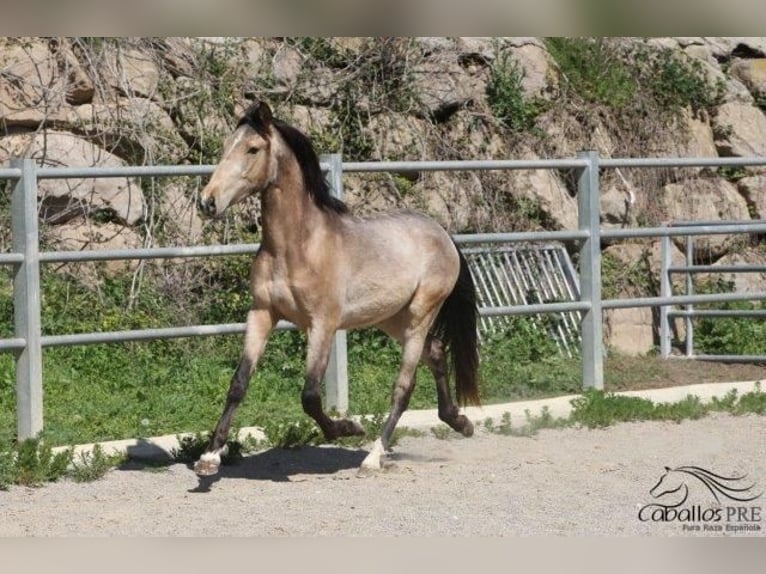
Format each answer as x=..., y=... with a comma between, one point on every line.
x=373, y=461
x=208, y=464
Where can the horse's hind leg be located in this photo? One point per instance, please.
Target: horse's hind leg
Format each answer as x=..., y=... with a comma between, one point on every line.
x=259, y=325
x=436, y=359
x=405, y=384
x=317, y=357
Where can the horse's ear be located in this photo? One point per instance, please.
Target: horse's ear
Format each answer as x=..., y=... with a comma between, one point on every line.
x=264, y=112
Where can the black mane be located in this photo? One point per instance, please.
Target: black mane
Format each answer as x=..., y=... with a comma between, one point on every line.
x=313, y=179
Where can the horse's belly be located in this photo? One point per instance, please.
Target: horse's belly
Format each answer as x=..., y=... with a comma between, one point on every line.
x=369, y=304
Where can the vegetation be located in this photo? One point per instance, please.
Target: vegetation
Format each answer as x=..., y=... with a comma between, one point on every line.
x=598, y=409
x=604, y=71
x=620, y=278
x=32, y=463
x=506, y=98
x=729, y=335
x=102, y=392
x=594, y=70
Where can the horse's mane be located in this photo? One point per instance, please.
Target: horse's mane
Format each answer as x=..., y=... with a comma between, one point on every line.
x=303, y=150
x=718, y=484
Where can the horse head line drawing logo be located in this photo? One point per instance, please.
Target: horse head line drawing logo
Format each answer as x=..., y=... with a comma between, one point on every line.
x=718, y=485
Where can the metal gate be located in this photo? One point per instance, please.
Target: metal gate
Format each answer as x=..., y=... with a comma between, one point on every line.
x=523, y=275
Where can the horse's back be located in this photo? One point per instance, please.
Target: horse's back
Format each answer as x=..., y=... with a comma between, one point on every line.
x=403, y=239
x=388, y=258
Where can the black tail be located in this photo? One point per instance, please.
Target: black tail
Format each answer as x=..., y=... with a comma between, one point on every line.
x=456, y=326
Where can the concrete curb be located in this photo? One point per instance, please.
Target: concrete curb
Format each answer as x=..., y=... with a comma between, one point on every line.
x=160, y=448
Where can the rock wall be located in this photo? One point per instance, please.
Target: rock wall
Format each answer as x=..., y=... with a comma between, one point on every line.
x=106, y=102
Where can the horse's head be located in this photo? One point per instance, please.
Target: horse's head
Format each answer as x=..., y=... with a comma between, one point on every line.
x=247, y=166
x=669, y=483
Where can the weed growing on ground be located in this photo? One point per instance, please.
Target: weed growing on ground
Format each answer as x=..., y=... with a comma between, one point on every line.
x=505, y=94
x=93, y=465
x=7, y=468
x=292, y=433
x=533, y=424
x=594, y=409
x=599, y=409
x=34, y=463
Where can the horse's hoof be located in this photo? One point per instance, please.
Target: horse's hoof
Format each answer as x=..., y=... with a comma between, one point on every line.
x=467, y=429
x=206, y=467
x=373, y=462
x=348, y=427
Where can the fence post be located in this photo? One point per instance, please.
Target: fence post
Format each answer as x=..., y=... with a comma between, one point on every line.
x=336, y=377
x=689, y=291
x=26, y=302
x=665, y=291
x=589, y=219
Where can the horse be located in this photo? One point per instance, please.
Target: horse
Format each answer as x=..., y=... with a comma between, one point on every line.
x=323, y=269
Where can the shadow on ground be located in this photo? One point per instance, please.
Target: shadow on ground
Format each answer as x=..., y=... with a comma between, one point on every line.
x=276, y=464
x=280, y=465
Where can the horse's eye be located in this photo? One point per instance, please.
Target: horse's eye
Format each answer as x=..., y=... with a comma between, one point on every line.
x=252, y=150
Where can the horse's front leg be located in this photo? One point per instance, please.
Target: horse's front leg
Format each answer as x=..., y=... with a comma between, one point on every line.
x=260, y=323
x=317, y=357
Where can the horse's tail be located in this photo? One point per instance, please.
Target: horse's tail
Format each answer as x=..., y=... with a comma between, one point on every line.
x=456, y=327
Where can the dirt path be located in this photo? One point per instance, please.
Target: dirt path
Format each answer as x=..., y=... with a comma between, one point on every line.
x=570, y=481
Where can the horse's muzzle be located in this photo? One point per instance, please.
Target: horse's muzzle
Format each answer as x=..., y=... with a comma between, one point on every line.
x=206, y=206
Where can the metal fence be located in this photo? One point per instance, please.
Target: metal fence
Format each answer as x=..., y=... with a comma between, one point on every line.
x=689, y=269
x=26, y=258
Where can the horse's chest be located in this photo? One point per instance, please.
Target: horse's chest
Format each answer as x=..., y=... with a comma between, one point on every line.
x=283, y=297
x=290, y=299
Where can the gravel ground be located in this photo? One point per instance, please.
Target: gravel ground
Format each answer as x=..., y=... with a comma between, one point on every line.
x=560, y=482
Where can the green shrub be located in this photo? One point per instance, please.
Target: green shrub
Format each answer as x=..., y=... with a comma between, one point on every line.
x=728, y=335
x=602, y=71
x=676, y=81
x=593, y=69
x=93, y=465
x=35, y=463
x=599, y=409
x=7, y=467
x=506, y=98
x=291, y=432
x=193, y=445
x=522, y=360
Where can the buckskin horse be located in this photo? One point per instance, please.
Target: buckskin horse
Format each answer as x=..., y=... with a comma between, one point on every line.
x=324, y=269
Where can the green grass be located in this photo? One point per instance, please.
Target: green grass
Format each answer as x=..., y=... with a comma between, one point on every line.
x=594, y=409
x=33, y=462
x=138, y=390
x=599, y=409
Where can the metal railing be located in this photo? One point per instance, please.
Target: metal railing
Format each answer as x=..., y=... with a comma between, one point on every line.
x=689, y=269
x=28, y=340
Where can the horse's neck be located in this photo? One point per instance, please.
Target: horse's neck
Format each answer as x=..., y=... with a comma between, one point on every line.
x=289, y=216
